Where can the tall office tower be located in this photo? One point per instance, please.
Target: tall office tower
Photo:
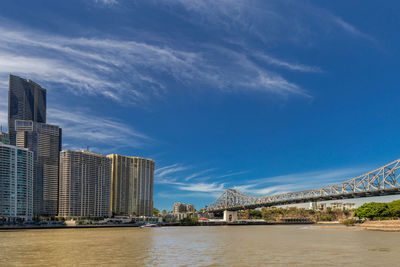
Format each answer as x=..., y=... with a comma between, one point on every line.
x=85, y=184
x=26, y=101
x=16, y=176
x=132, y=181
x=44, y=140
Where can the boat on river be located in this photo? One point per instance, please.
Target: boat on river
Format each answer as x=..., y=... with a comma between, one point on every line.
x=150, y=225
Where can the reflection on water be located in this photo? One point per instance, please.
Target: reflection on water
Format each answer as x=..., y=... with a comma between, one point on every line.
x=200, y=246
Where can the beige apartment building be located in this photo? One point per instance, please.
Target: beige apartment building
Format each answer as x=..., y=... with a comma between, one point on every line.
x=182, y=207
x=132, y=180
x=85, y=184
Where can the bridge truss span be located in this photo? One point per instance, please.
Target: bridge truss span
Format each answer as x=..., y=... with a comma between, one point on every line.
x=382, y=181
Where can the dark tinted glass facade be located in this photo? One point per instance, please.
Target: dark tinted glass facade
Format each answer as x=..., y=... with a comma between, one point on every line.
x=26, y=101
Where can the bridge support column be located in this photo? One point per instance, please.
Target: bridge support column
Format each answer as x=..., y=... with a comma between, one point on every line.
x=230, y=216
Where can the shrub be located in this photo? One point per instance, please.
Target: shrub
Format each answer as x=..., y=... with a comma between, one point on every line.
x=349, y=222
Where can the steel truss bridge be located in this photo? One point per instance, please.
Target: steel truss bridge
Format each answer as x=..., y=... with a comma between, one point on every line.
x=380, y=182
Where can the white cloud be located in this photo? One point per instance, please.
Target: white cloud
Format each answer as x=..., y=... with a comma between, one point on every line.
x=94, y=66
x=271, y=22
x=203, y=187
x=88, y=129
x=229, y=174
x=164, y=171
x=287, y=65
x=197, y=174
x=106, y=2
x=350, y=28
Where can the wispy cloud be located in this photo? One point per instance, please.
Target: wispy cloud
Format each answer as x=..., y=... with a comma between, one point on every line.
x=197, y=174
x=203, y=187
x=287, y=65
x=256, y=187
x=167, y=170
x=298, y=181
x=351, y=28
x=88, y=129
x=94, y=66
x=106, y=2
x=270, y=21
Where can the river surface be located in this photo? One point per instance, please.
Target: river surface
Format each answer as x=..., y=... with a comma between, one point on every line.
x=200, y=246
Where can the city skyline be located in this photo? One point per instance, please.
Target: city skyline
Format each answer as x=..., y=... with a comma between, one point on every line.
x=232, y=104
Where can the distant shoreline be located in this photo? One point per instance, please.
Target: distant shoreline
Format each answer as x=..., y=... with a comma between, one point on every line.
x=135, y=225
x=387, y=226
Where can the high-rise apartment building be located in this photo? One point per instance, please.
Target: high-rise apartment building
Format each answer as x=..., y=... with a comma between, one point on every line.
x=44, y=140
x=132, y=180
x=16, y=177
x=26, y=101
x=85, y=184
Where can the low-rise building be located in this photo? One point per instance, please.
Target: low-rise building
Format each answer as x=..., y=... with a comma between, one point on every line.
x=343, y=206
x=349, y=206
x=336, y=205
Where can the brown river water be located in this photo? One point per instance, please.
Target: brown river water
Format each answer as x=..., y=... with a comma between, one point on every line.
x=200, y=246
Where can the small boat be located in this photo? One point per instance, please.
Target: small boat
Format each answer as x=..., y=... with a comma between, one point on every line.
x=149, y=225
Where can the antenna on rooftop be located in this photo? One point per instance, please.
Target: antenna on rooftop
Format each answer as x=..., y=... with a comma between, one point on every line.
x=87, y=148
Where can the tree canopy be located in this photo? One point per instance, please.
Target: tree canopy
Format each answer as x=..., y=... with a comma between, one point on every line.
x=378, y=210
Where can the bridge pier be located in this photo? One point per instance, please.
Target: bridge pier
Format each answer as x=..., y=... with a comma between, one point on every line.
x=230, y=216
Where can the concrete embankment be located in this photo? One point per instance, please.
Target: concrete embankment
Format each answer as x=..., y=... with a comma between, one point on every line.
x=386, y=225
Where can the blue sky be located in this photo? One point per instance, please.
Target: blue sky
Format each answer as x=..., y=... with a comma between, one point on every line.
x=265, y=96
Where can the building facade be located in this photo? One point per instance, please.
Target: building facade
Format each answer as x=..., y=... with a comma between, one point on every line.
x=26, y=101
x=85, y=184
x=44, y=140
x=132, y=180
x=182, y=207
x=4, y=137
x=16, y=182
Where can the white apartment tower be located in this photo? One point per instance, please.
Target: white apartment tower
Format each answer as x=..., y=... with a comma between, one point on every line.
x=16, y=178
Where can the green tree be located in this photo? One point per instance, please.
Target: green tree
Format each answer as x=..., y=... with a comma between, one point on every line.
x=373, y=210
x=189, y=221
x=255, y=214
x=394, y=208
x=155, y=212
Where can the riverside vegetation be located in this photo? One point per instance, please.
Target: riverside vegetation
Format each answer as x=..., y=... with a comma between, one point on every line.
x=279, y=214
x=379, y=211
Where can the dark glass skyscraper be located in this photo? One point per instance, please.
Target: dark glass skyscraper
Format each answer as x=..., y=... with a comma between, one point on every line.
x=26, y=101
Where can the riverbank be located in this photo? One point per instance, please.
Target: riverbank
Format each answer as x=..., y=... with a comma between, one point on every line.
x=386, y=225
x=218, y=223
x=39, y=227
